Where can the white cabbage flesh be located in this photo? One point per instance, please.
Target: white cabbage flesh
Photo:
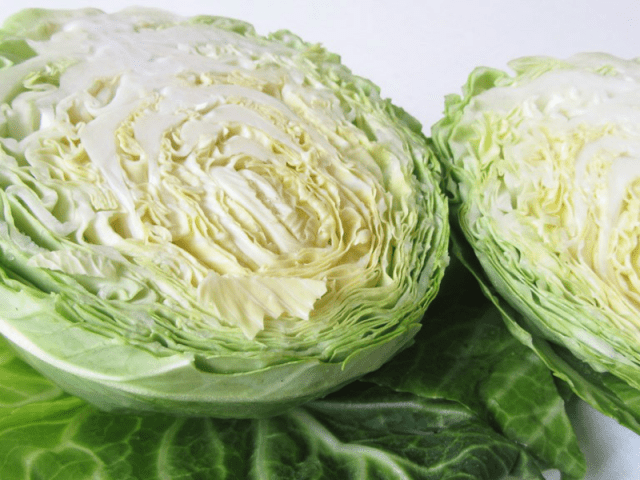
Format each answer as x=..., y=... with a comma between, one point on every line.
x=546, y=168
x=202, y=189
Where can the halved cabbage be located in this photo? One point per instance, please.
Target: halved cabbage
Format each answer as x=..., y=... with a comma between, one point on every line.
x=543, y=168
x=199, y=220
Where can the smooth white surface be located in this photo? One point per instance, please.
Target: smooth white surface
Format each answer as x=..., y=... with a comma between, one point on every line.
x=612, y=452
x=418, y=52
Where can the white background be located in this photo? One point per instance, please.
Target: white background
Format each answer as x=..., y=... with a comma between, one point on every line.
x=420, y=51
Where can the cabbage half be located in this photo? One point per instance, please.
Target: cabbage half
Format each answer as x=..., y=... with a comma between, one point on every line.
x=543, y=169
x=199, y=220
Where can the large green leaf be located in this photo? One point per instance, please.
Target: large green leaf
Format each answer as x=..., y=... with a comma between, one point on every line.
x=602, y=390
x=465, y=354
x=362, y=432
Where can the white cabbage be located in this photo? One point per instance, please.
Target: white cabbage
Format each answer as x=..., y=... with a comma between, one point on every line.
x=544, y=172
x=198, y=219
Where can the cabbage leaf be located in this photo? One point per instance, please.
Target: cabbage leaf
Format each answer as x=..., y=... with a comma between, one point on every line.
x=417, y=418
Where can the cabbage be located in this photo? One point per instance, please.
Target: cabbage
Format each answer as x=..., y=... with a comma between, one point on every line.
x=465, y=401
x=199, y=220
x=543, y=169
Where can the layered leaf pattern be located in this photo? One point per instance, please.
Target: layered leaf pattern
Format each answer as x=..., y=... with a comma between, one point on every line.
x=468, y=356
x=198, y=219
x=542, y=172
x=468, y=415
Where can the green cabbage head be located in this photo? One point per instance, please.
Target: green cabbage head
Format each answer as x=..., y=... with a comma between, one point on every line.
x=199, y=220
x=543, y=168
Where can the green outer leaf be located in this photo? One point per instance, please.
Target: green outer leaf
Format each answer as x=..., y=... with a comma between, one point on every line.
x=13, y=51
x=40, y=23
x=178, y=385
x=427, y=438
x=465, y=354
x=362, y=432
x=605, y=392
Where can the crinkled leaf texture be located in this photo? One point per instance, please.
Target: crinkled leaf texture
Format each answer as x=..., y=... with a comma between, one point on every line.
x=199, y=220
x=603, y=391
x=469, y=356
x=361, y=432
x=543, y=169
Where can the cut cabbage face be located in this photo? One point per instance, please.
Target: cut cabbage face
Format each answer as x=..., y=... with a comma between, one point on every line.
x=199, y=220
x=544, y=173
